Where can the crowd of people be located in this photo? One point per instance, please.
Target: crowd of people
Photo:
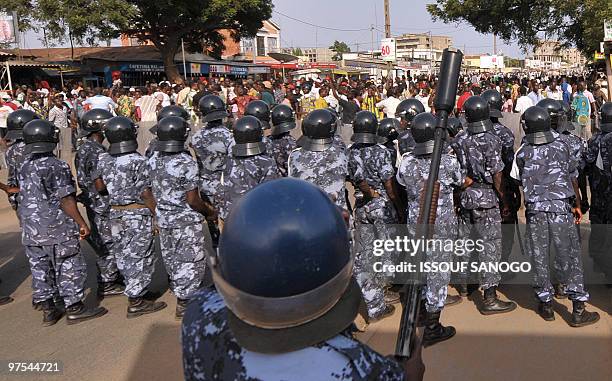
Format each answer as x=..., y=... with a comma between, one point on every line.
x=224, y=177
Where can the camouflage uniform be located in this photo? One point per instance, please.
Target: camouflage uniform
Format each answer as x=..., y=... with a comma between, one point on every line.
x=511, y=191
x=150, y=151
x=126, y=177
x=546, y=172
x=14, y=157
x=210, y=352
x=212, y=147
x=97, y=208
x=242, y=174
x=598, y=161
x=371, y=163
x=327, y=169
x=405, y=141
x=279, y=148
x=180, y=227
x=412, y=174
x=482, y=159
x=50, y=236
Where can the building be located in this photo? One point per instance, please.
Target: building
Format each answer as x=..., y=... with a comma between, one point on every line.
x=256, y=49
x=573, y=57
x=550, y=55
x=320, y=55
x=423, y=46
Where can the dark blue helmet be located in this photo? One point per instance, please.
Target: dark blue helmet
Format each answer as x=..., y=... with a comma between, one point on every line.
x=284, y=268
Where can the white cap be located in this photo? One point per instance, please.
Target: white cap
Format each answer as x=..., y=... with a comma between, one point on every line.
x=132, y=89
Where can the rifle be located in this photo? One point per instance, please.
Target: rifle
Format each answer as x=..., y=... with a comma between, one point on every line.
x=444, y=103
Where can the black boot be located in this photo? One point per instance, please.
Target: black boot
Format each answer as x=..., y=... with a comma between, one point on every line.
x=492, y=305
x=581, y=317
x=51, y=314
x=545, y=310
x=560, y=291
x=392, y=297
x=181, y=306
x=142, y=306
x=436, y=332
x=106, y=289
x=422, y=319
x=37, y=306
x=5, y=300
x=77, y=313
x=462, y=289
x=451, y=300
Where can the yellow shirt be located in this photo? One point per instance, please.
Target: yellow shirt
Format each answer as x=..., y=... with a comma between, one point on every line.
x=369, y=104
x=320, y=103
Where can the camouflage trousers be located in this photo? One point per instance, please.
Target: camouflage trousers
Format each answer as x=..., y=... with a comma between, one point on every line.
x=436, y=286
x=57, y=269
x=133, y=249
x=372, y=221
x=101, y=240
x=485, y=225
x=558, y=229
x=183, y=251
x=600, y=239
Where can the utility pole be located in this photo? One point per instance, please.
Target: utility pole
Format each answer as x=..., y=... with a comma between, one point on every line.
x=372, y=38
x=388, y=35
x=431, y=57
x=494, y=44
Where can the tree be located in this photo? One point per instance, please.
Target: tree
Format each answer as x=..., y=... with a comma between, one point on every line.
x=296, y=52
x=164, y=23
x=339, y=48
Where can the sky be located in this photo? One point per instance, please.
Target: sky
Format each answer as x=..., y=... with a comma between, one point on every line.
x=407, y=16
x=351, y=21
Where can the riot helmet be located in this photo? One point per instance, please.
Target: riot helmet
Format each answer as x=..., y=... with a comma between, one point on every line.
x=40, y=136
x=172, y=133
x=15, y=122
x=212, y=108
x=121, y=133
x=93, y=121
x=422, y=129
x=477, y=114
x=318, y=130
x=364, y=128
x=248, y=135
x=260, y=110
x=408, y=109
x=283, y=119
x=388, y=130
x=536, y=124
x=606, y=117
x=495, y=100
x=454, y=126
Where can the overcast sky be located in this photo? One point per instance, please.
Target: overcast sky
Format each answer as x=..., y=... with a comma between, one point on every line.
x=350, y=21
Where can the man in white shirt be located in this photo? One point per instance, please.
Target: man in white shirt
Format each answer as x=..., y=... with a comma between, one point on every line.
x=100, y=101
x=553, y=92
x=162, y=95
x=523, y=102
x=389, y=104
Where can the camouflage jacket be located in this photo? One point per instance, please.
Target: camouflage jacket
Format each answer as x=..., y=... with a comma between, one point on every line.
x=210, y=352
x=43, y=181
x=405, y=141
x=242, y=174
x=279, y=149
x=598, y=159
x=14, y=157
x=126, y=178
x=546, y=172
x=86, y=162
x=370, y=163
x=577, y=148
x=481, y=158
x=413, y=173
x=327, y=169
x=172, y=176
x=507, y=139
x=212, y=147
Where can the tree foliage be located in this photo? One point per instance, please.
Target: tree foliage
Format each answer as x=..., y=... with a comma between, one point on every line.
x=339, y=47
x=573, y=22
x=164, y=23
x=296, y=52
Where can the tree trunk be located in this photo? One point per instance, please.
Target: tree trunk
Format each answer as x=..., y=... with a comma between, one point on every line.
x=168, y=52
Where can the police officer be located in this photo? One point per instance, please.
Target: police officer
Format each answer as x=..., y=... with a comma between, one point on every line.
x=387, y=135
x=172, y=110
x=125, y=175
x=249, y=164
x=482, y=159
x=96, y=204
x=377, y=206
x=304, y=318
x=548, y=174
x=319, y=160
x=511, y=190
x=598, y=158
x=180, y=210
x=212, y=145
x=412, y=174
x=15, y=154
x=52, y=227
x=406, y=111
x=281, y=142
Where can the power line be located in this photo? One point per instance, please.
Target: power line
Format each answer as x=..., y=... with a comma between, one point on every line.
x=320, y=26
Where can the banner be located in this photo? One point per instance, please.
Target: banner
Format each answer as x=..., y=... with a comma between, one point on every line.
x=8, y=26
x=387, y=49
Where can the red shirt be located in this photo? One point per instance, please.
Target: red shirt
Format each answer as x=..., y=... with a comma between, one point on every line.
x=462, y=100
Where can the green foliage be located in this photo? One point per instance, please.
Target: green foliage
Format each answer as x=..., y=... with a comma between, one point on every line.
x=339, y=47
x=572, y=22
x=164, y=23
x=296, y=51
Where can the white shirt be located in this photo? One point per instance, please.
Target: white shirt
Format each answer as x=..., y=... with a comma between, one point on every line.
x=100, y=101
x=163, y=98
x=4, y=112
x=424, y=101
x=556, y=95
x=523, y=103
x=389, y=105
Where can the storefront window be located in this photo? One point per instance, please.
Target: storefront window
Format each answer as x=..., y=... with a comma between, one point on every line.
x=261, y=47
